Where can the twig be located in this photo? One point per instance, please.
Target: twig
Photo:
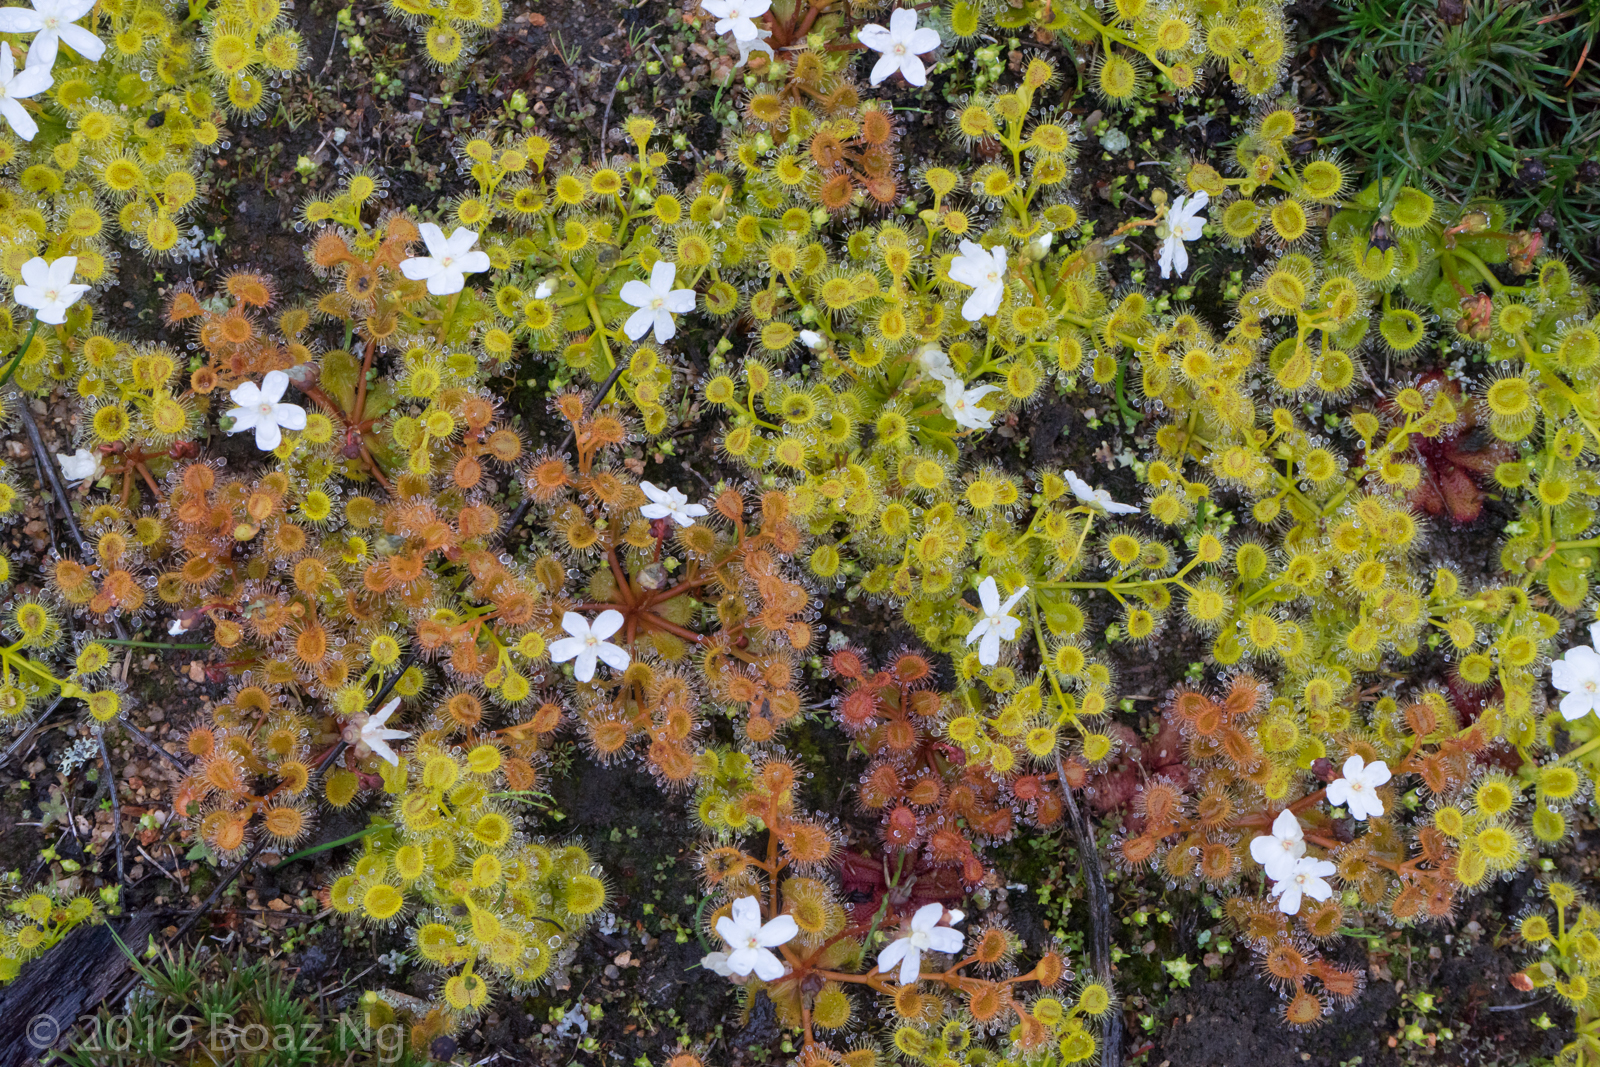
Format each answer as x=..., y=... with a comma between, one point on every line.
x=149, y=742
x=333, y=46
x=157, y=865
x=47, y=461
x=605, y=120
x=28, y=733
x=594, y=402
x=286, y=916
x=1519, y=1007
x=566, y=443
x=1099, y=901
x=205, y=909
x=72, y=818
x=38, y=465
x=116, y=805
x=349, y=982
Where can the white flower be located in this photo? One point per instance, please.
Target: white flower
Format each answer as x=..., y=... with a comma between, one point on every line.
x=985, y=272
x=82, y=466
x=961, y=404
x=1304, y=879
x=1577, y=674
x=1183, y=223
x=588, y=643
x=935, y=364
x=16, y=86
x=738, y=16
x=657, y=303
x=926, y=936
x=1098, y=499
x=758, y=43
x=177, y=628
x=1278, y=851
x=665, y=502
x=259, y=410
x=48, y=287
x=1358, y=789
x=717, y=963
x=1039, y=247
x=900, y=44
x=813, y=340
x=449, y=260
x=997, y=624
x=51, y=22
x=752, y=941
x=373, y=736
x=546, y=288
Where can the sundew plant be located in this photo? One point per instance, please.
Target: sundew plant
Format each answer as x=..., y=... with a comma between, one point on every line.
x=422, y=615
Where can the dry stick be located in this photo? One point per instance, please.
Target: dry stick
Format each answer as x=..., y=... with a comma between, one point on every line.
x=566, y=443
x=205, y=909
x=53, y=476
x=157, y=749
x=157, y=865
x=47, y=462
x=1099, y=901
x=333, y=46
x=605, y=120
x=38, y=465
x=72, y=820
x=28, y=733
x=116, y=806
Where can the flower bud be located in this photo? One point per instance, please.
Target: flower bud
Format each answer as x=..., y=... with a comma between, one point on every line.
x=1475, y=323
x=1522, y=249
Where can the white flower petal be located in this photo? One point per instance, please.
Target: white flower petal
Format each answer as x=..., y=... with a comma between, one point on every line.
x=566, y=648
x=636, y=293
x=289, y=416
x=434, y=238
x=614, y=656
x=268, y=436
x=780, y=931
x=768, y=967
x=914, y=71
x=584, y=663
x=83, y=42
x=892, y=954
x=20, y=20
x=639, y=323
x=666, y=329
x=910, y=966
x=876, y=37
x=420, y=268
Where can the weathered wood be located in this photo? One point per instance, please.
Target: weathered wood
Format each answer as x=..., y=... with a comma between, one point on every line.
x=57, y=989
